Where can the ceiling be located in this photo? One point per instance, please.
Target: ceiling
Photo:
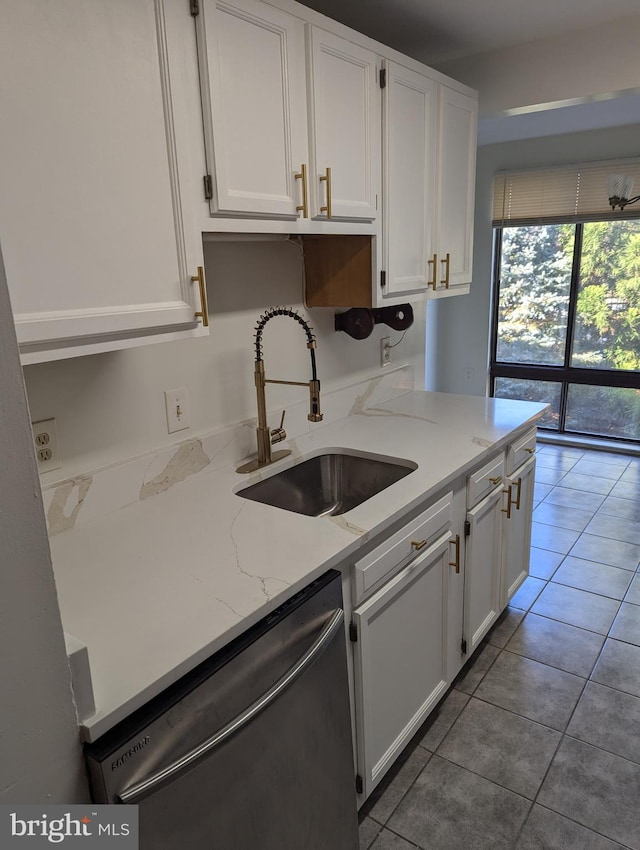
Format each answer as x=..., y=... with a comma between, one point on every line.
x=435, y=31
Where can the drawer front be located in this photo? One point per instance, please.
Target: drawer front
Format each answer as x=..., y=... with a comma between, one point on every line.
x=521, y=450
x=397, y=551
x=483, y=480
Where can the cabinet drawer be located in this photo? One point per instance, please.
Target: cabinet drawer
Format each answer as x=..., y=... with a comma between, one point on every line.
x=399, y=549
x=521, y=450
x=483, y=480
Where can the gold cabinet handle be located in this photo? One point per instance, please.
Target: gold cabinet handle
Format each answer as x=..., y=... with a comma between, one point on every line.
x=496, y=480
x=507, y=510
x=447, y=263
x=203, y=313
x=456, y=543
x=326, y=178
x=304, y=206
x=518, y=486
x=531, y=451
x=418, y=544
x=434, y=263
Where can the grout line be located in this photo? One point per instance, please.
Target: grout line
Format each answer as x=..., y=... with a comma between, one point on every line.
x=588, y=828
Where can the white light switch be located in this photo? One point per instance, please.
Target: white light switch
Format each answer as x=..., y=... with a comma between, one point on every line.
x=177, y=405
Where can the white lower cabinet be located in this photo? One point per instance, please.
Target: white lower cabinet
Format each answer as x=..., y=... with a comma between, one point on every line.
x=517, y=530
x=400, y=659
x=482, y=568
x=426, y=597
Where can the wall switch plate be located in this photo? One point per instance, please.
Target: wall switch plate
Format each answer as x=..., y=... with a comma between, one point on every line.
x=385, y=351
x=177, y=406
x=45, y=440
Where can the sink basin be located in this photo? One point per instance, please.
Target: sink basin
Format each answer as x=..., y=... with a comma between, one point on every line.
x=328, y=484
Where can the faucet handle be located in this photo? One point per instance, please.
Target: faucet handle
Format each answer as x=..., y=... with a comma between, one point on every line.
x=279, y=434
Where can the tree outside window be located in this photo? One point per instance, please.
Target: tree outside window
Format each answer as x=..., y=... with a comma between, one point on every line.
x=568, y=323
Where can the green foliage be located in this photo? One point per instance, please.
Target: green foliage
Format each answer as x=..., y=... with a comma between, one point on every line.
x=535, y=284
x=605, y=411
x=534, y=295
x=608, y=316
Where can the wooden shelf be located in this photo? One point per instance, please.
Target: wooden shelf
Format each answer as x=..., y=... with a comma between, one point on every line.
x=338, y=271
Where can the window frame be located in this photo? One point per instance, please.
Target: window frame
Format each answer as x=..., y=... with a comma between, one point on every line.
x=565, y=374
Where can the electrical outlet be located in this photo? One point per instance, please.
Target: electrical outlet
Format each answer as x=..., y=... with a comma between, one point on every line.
x=45, y=440
x=385, y=351
x=177, y=406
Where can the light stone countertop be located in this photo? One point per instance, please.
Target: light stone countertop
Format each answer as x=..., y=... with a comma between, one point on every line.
x=156, y=587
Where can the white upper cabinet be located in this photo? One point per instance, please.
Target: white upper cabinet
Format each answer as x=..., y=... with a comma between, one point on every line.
x=91, y=217
x=291, y=117
x=456, y=174
x=429, y=140
x=409, y=142
x=344, y=110
x=252, y=59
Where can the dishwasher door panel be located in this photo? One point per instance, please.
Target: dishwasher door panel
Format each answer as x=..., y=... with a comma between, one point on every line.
x=283, y=783
x=283, y=779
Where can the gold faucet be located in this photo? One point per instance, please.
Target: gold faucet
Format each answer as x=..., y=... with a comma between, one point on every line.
x=267, y=436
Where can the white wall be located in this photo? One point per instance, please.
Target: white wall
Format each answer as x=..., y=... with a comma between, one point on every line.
x=40, y=755
x=111, y=406
x=458, y=330
x=581, y=64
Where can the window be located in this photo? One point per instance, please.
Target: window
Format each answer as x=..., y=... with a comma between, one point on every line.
x=566, y=326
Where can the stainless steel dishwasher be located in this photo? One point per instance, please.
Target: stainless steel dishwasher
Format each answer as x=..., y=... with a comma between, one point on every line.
x=250, y=750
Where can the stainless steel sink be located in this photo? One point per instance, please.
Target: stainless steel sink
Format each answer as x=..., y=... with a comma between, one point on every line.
x=328, y=484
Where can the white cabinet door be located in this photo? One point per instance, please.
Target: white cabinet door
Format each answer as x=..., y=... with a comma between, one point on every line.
x=400, y=660
x=252, y=59
x=344, y=108
x=409, y=103
x=455, y=606
x=483, y=554
x=458, y=118
x=90, y=208
x=517, y=531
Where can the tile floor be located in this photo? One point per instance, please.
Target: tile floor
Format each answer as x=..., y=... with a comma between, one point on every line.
x=537, y=744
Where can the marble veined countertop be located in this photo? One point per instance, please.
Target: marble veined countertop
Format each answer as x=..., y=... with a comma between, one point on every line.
x=156, y=587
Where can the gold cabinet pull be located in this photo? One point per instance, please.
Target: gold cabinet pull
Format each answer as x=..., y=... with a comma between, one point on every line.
x=418, y=544
x=434, y=263
x=531, y=451
x=496, y=480
x=456, y=543
x=304, y=206
x=203, y=313
x=518, y=486
x=447, y=263
x=326, y=178
x=507, y=510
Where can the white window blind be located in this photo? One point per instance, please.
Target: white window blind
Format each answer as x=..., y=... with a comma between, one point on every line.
x=567, y=193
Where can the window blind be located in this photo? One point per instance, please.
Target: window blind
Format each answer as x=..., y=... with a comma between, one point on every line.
x=566, y=193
